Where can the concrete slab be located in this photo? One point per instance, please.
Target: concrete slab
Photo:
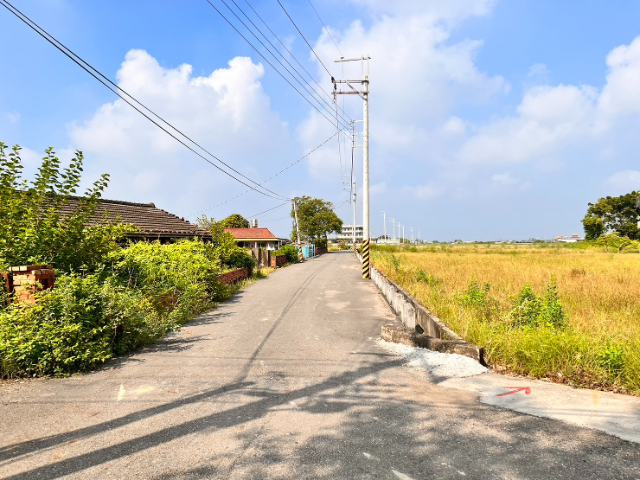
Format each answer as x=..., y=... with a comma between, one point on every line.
x=615, y=414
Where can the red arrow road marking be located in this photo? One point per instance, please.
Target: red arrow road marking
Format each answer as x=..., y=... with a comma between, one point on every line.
x=526, y=390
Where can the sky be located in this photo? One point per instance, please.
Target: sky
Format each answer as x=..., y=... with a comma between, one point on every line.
x=489, y=119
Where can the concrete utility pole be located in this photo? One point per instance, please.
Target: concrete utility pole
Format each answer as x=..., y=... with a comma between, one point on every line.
x=400, y=232
x=403, y=237
x=393, y=229
x=295, y=213
x=353, y=188
x=364, y=94
x=411, y=234
x=384, y=220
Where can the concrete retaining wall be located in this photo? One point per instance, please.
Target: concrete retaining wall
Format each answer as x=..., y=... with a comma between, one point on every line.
x=423, y=328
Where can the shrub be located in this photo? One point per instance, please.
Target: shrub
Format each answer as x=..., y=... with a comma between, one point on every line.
x=532, y=310
x=424, y=277
x=290, y=251
x=343, y=246
x=33, y=229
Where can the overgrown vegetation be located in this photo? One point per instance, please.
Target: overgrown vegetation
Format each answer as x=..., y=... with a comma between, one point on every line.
x=290, y=251
x=569, y=313
x=111, y=296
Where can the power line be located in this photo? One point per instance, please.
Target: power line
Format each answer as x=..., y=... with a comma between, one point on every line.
x=294, y=57
x=304, y=38
x=266, y=60
x=262, y=213
x=272, y=176
x=310, y=90
x=325, y=27
x=116, y=90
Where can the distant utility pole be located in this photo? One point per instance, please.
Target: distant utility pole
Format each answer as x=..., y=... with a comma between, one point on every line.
x=295, y=213
x=403, y=237
x=384, y=220
x=411, y=234
x=364, y=94
x=399, y=232
x=393, y=229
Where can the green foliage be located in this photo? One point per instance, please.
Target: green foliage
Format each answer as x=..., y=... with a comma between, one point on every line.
x=476, y=296
x=613, y=214
x=226, y=248
x=612, y=359
x=343, y=246
x=424, y=277
x=532, y=310
x=395, y=262
x=616, y=242
x=235, y=220
x=290, y=251
x=143, y=292
x=33, y=229
x=316, y=219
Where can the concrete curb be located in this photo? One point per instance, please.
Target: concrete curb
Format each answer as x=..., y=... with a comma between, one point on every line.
x=422, y=328
x=399, y=334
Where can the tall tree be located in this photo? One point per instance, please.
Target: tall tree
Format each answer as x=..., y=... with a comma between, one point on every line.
x=235, y=220
x=317, y=219
x=612, y=214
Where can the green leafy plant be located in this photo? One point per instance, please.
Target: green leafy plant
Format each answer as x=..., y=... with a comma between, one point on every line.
x=612, y=359
x=424, y=277
x=290, y=251
x=532, y=310
x=36, y=224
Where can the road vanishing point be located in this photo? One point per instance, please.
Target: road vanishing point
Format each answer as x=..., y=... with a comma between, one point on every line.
x=285, y=381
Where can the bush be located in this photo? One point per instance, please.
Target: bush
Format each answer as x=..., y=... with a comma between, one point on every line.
x=343, y=246
x=531, y=310
x=33, y=229
x=143, y=292
x=290, y=251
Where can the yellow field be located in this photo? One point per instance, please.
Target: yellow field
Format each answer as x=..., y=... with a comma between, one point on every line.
x=599, y=293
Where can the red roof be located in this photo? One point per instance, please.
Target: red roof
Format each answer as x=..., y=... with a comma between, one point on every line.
x=251, y=233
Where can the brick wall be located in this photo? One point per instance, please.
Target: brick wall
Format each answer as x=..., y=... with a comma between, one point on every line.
x=27, y=280
x=278, y=260
x=320, y=251
x=234, y=275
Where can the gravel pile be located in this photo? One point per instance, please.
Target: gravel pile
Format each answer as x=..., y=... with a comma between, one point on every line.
x=443, y=365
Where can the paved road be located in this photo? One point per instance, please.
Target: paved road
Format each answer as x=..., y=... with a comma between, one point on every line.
x=284, y=381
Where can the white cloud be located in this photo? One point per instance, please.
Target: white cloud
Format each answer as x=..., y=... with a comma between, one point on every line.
x=226, y=112
x=623, y=182
x=13, y=117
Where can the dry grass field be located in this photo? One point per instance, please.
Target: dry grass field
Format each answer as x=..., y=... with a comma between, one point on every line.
x=591, y=337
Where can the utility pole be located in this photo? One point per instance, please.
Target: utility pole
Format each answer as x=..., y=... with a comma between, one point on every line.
x=393, y=229
x=399, y=232
x=384, y=219
x=411, y=234
x=295, y=213
x=364, y=94
x=403, y=237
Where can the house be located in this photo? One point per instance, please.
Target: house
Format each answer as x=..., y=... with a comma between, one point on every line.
x=255, y=238
x=152, y=223
x=572, y=239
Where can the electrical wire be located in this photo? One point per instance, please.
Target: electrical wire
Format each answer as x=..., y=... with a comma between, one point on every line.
x=294, y=57
x=114, y=88
x=325, y=28
x=308, y=87
x=262, y=213
x=272, y=176
x=266, y=60
x=304, y=38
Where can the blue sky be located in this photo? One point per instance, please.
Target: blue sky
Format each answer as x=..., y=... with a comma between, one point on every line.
x=489, y=119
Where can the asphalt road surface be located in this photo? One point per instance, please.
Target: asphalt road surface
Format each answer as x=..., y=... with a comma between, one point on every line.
x=284, y=381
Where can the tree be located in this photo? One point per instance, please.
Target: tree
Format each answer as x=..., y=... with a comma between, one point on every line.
x=235, y=220
x=612, y=214
x=38, y=227
x=316, y=218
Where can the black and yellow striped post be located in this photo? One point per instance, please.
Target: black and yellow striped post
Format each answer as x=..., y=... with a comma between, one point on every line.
x=366, y=274
x=300, y=254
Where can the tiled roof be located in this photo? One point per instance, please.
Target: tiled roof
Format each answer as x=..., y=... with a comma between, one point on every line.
x=151, y=221
x=251, y=233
